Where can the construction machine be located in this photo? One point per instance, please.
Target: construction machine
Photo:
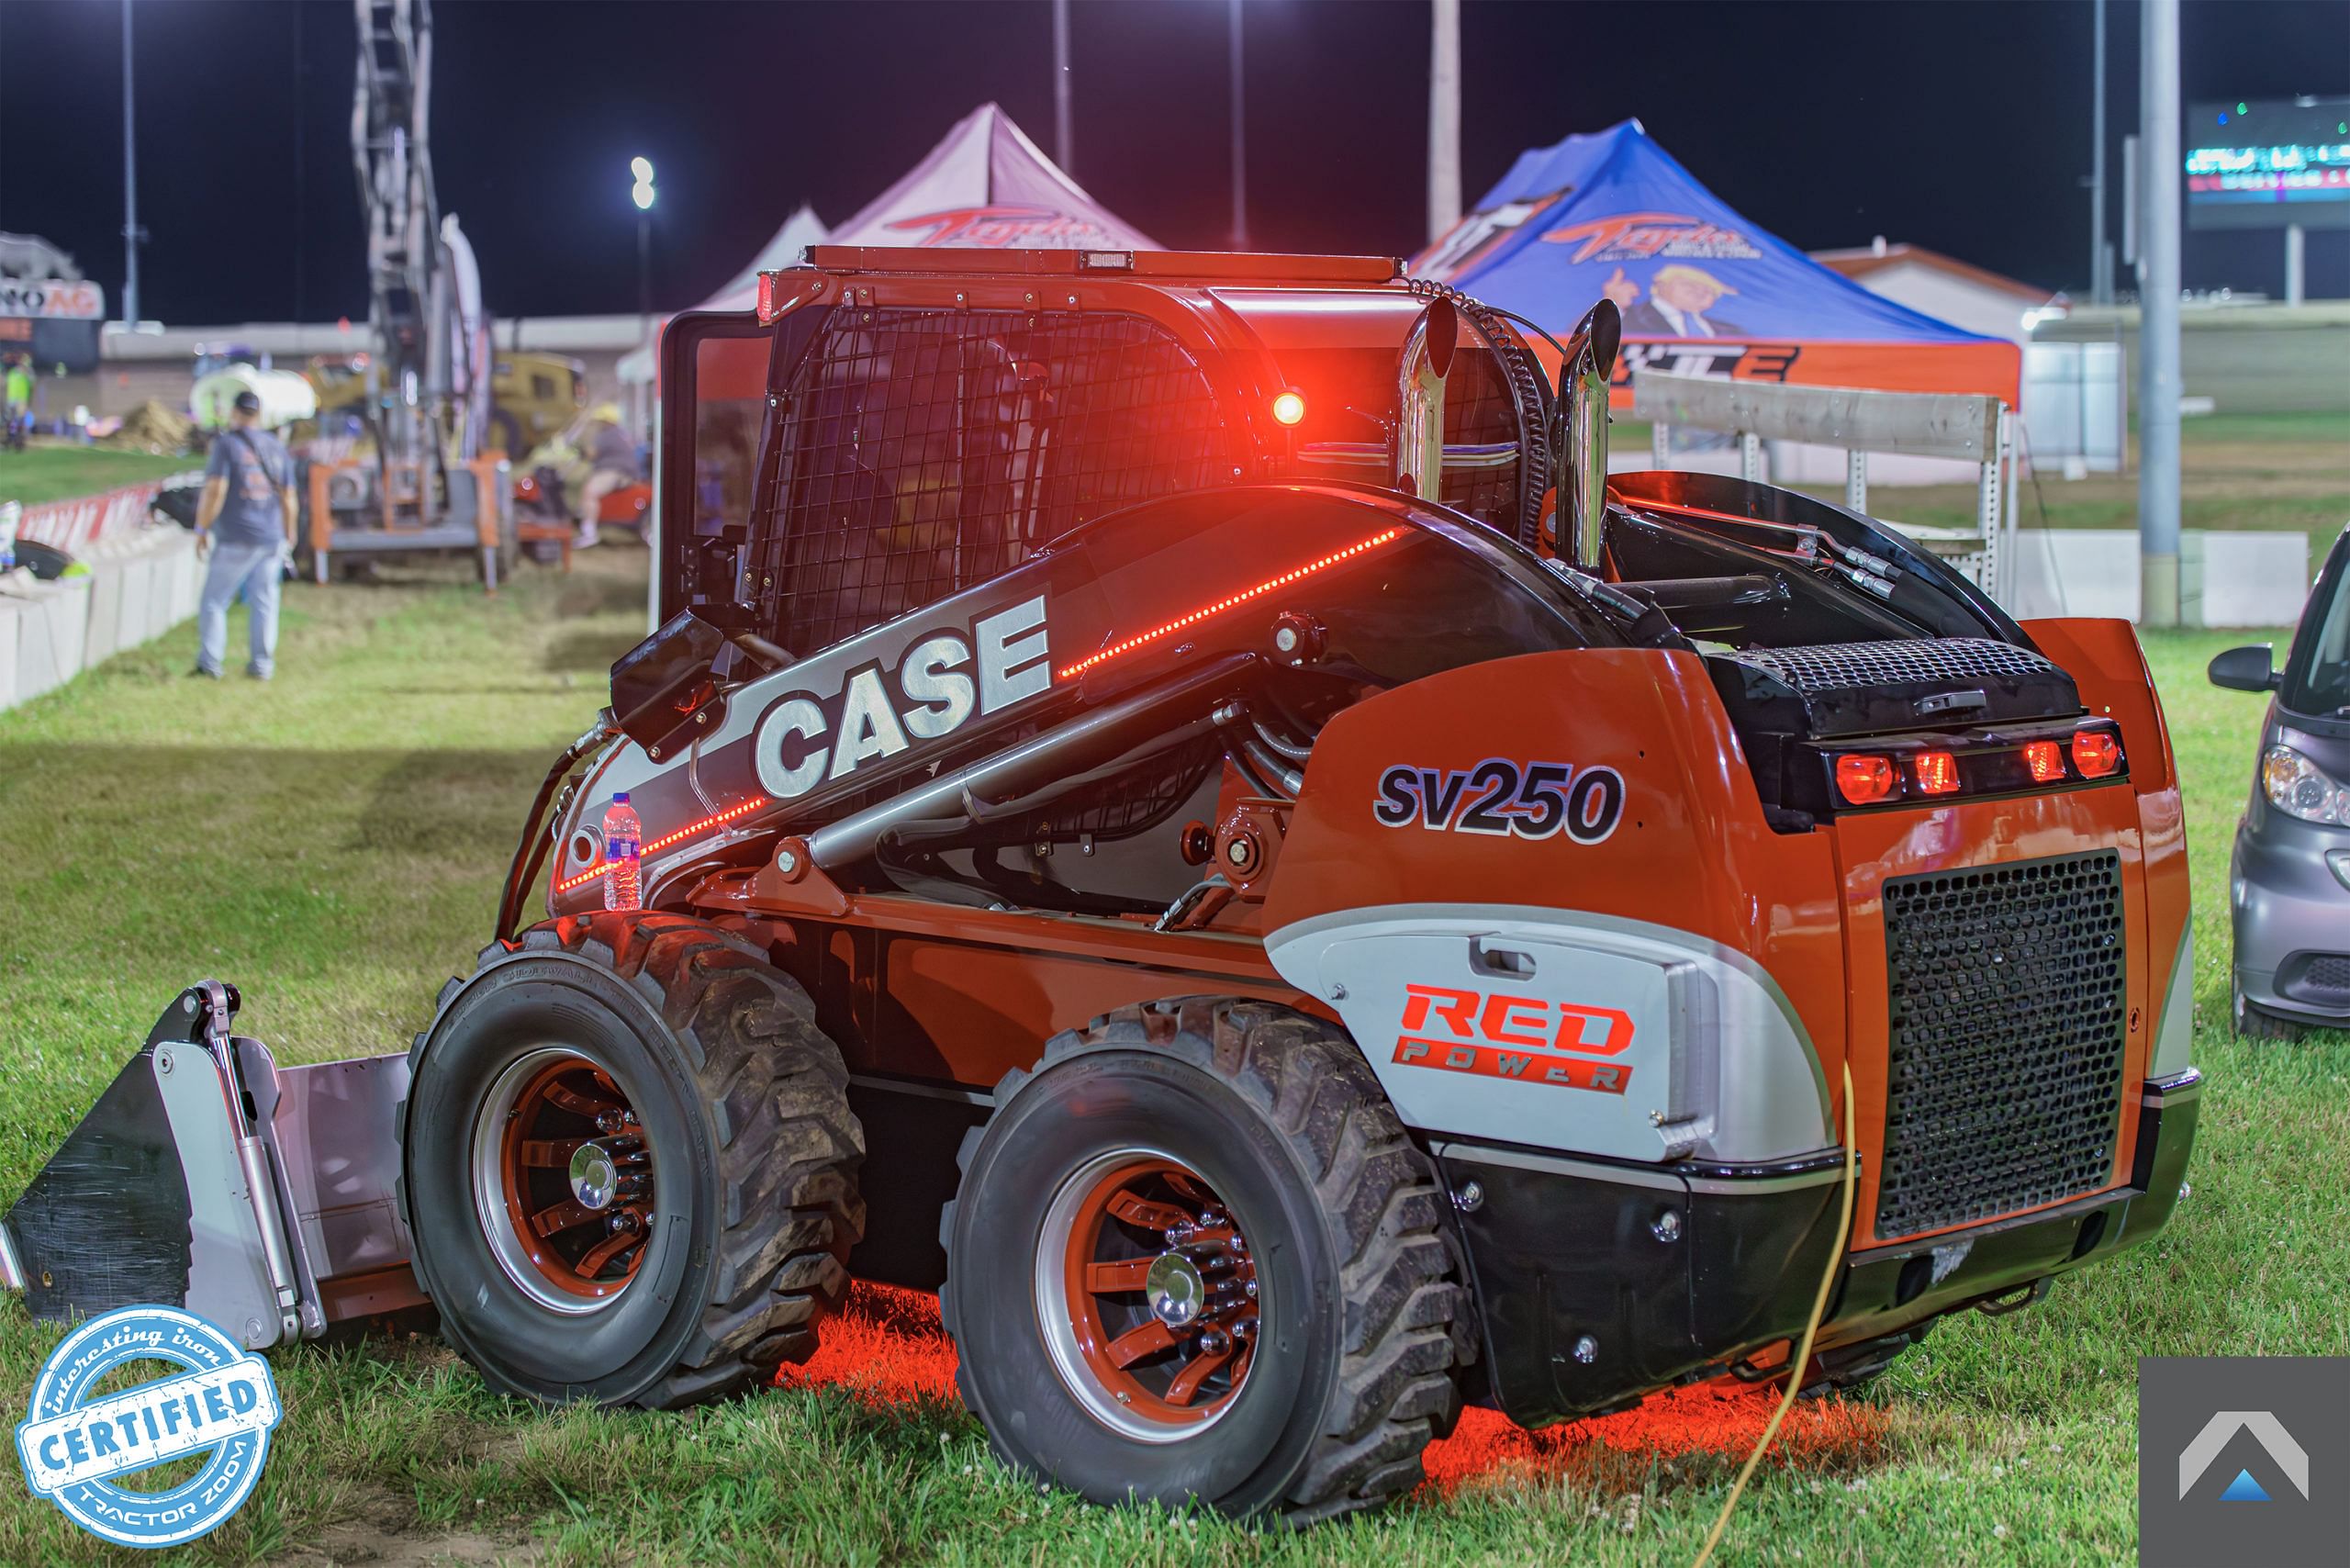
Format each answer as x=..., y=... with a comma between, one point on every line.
x=1184, y=807
x=425, y=388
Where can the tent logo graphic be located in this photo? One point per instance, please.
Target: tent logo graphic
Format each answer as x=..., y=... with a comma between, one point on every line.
x=1645, y=236
x=998, y=228
x=2288, y=1456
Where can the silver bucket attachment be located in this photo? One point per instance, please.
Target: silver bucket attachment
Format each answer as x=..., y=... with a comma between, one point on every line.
x=261, y=1198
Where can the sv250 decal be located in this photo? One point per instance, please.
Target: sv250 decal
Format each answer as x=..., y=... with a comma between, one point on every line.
x=1528, y=800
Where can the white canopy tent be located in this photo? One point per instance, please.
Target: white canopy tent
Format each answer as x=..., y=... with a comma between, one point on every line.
x=801, y=229
x=986, y=185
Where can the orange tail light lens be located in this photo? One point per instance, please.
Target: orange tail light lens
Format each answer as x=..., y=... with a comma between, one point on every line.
x=1936, y=773
x=2047, y=760
x=2097, y=753
x=1864, y=781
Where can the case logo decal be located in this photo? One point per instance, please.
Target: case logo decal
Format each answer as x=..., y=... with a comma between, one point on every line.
x=799, y=744
x=1500, y=1035
x=1502, y=798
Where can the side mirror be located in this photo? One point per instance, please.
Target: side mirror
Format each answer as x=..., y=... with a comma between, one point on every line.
x=660, y=686
x=2245, y=669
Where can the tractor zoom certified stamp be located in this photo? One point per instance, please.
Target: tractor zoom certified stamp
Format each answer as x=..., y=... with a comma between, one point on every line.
x=1499, y=797
x=78, y=1440
x=1515, y=1037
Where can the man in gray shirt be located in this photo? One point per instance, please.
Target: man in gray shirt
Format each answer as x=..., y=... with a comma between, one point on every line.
x=245, y=518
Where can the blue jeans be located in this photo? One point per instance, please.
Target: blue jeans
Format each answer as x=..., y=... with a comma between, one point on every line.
x=254, y=568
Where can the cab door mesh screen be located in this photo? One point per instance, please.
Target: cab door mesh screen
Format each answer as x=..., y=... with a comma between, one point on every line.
x=924, y=451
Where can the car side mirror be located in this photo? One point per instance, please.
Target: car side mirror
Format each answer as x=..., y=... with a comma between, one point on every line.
x=2245, y=669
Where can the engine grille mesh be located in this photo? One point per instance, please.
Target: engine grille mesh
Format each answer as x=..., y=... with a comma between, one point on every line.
x=2004, y=1079
x=1846, y=666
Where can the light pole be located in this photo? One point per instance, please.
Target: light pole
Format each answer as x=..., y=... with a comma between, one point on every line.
x=131, y=234
x=1064, y=115
x=1239, y=141
x=1444, y=117
x=2100, y=274
x=2158, y=384
x=641, y=194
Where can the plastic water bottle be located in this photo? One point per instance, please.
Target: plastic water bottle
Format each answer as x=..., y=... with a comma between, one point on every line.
x=623, y=843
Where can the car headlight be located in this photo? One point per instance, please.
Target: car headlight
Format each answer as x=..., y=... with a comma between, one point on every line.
x=2299, y=788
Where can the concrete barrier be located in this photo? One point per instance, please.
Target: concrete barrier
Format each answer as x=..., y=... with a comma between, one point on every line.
x=2227, y=578
x=140, y=585
x=2249, y=578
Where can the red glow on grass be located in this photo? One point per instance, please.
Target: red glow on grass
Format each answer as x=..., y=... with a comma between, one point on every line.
x=888, y=1347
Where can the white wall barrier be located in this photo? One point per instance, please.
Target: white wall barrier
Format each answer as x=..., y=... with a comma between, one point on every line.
x=2227, y=578
x=141, y=582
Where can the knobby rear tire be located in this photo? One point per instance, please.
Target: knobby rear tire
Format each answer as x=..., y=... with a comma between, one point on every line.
x=1275, y=1107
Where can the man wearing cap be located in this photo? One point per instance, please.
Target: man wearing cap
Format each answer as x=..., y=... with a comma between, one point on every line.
x=245, y=518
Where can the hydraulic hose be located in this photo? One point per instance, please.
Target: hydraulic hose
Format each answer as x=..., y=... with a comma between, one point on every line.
x=1801, y=1359
x=530, y=854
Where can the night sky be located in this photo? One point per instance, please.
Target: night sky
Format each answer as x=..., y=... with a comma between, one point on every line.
x=1963, y=127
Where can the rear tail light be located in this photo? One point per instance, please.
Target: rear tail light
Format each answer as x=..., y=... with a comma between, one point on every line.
x=1936, y=773
x=2047, y=760
x=1864, y=781
x=2097, y=753
x=766, y=299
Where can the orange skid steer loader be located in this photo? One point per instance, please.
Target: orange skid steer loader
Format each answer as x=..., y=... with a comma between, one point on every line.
x=1184, y=809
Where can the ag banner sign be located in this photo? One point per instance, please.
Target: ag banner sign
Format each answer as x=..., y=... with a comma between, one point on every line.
x=54, y=322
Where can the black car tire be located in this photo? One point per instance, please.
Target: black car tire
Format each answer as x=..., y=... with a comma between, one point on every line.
x=2250, y=1022
x=753, y=1205
x=1278, y=1117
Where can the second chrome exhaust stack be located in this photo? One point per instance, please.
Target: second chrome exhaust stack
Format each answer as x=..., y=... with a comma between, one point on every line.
x=1419, y=394
x=1584, y=376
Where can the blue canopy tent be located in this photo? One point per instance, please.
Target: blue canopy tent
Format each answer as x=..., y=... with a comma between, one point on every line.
x=1704, y=291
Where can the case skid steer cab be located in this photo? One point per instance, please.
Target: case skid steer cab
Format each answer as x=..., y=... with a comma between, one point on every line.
x=1184, y=809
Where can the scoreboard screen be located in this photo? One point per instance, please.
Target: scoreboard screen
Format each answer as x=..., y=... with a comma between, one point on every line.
x=2265, y=164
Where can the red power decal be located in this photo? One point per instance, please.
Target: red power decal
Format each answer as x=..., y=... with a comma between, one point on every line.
x=1527, y=1067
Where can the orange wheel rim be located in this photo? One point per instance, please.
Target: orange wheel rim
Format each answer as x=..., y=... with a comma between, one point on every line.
x=563, y=1181
x=1152, y=1311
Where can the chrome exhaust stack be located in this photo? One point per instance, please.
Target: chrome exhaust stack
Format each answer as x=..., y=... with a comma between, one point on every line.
x=1584, y=376
x=1419, y=400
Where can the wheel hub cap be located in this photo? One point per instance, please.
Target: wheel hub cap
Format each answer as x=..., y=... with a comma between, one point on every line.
x=1175, y=1290
x=594, y=1176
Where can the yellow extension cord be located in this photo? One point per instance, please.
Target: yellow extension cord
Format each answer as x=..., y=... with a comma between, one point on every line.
x=1802, y=1358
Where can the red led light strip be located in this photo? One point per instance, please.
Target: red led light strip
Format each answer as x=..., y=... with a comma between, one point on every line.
x=1221, y=605
x=728, y=815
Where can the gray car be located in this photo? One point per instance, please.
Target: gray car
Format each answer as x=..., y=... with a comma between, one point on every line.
x=2289, y=885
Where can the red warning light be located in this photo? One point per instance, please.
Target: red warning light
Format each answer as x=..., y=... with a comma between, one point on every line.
x=1936, y=773
x=1864, y=781
x=1288, y=408
x=2097, y=753
x=2047, y=760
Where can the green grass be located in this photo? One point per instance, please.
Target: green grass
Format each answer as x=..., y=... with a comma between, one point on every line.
x=55, y=473
x=332, y=841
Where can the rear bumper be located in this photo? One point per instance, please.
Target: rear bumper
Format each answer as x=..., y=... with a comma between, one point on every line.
x=1598, y=1282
